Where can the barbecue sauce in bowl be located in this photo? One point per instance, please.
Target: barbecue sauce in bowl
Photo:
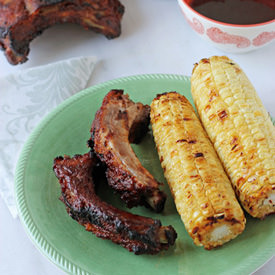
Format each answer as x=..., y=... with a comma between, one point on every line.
x=241, y=12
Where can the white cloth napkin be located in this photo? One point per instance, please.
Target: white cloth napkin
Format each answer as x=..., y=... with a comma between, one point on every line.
x=25, y=98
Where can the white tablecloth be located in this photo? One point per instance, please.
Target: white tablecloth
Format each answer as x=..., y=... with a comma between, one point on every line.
x=155, y=39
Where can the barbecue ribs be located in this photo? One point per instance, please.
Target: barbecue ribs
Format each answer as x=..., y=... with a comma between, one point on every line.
x=136, y=233
x=118, y=123
x=22, y=20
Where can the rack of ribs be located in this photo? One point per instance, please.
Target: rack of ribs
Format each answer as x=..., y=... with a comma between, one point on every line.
x=136, y=233
x=117, y=123
x=22, y=20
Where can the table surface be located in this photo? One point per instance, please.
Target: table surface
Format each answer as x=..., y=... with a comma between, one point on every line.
x=155, y=39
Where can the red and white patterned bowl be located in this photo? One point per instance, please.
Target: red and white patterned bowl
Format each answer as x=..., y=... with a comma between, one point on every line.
x=229, y=37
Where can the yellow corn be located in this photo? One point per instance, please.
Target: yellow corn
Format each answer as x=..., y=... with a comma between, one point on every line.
x=202, y=191
x=240, y=129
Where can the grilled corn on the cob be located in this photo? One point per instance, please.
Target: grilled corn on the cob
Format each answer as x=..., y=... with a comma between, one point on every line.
x=202, y=191
x=240, y=129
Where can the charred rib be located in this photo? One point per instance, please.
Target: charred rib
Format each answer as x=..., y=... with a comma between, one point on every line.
x=136, y=233
x=118, y=122
x=22, y=20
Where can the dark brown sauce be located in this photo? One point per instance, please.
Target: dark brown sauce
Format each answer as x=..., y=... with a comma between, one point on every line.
x=243, y=12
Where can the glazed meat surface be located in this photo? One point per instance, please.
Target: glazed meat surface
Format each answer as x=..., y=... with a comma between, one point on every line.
x=136, y=233
x=118, y=123
x=22, y=20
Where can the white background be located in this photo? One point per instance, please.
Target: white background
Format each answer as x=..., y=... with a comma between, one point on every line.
x=155, y=39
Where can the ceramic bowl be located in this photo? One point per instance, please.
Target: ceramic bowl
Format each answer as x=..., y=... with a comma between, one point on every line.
x=229, y=37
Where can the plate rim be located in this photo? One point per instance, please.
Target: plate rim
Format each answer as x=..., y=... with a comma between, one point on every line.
x=29, y=225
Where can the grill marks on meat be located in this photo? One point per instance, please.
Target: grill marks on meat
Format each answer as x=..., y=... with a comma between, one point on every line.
x=136, y=233
x=118, y=122
x=22, y=20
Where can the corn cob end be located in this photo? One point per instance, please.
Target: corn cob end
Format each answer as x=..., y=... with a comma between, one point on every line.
x=261, y=204
x=216, y=230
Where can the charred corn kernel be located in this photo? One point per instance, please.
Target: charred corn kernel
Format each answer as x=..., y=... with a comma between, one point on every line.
x=202, y=191
x=240, y=129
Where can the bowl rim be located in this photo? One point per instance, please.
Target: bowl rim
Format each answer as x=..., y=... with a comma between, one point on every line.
x=182, y=2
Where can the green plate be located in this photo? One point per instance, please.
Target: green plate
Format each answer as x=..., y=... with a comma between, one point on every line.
x=68, y=245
